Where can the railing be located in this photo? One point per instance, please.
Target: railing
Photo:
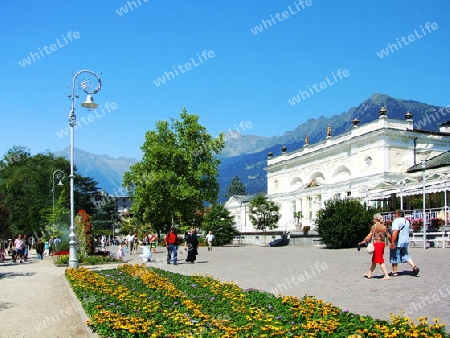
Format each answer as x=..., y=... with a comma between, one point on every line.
x=418, y=214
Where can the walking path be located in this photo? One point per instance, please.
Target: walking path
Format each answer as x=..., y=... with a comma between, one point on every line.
x=36, y=300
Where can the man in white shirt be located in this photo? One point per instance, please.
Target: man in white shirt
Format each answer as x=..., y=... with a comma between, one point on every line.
x=130, y=241
x=400, y=243
x=209, y=239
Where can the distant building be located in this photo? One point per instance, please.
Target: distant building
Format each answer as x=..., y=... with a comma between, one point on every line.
x=237, y=205
x=379, y=163
x=123, y=203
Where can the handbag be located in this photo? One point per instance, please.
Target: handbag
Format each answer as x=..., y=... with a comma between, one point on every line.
x=370, y=247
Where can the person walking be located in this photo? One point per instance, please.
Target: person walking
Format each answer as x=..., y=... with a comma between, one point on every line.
x=378, y=233
x=25, y=248
x=209, y=239
x=50, y=245
x=400, y=243
x=136, y=242
x=40, y=249
x=11, y=247
x=191, y=245
x=120, y=251
x=130, y=241
x=103, y=242
x=171, y=242
x=153, y=240
x=20, y=245
x=2, y=250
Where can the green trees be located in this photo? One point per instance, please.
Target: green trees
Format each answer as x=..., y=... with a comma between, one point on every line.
x=219, y=221
x=26, y=197
x=177, y=175
x=343, y=223
x=236, y=187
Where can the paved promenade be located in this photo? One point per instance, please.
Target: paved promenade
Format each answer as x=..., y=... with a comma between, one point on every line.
x=36, y=300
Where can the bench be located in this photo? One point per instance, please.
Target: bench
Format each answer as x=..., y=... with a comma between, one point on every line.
x=432, y=237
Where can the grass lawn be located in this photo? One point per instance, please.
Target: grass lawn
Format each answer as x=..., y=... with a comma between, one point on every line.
x=137, y=301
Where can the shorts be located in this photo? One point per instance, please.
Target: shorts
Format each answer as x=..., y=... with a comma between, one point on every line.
x=399, y=255
x=153, y=245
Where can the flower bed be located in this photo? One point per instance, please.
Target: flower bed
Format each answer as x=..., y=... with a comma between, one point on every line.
x=136, y=301
x=61, y=252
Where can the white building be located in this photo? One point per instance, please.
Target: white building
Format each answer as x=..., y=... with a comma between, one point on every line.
x=376, y=163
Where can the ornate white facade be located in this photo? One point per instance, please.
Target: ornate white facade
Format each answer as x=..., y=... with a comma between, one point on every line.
x=370, y=162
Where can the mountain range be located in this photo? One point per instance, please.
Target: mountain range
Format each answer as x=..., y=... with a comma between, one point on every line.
x=245, y=156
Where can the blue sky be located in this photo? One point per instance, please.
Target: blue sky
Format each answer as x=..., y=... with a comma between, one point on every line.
x=245, y=74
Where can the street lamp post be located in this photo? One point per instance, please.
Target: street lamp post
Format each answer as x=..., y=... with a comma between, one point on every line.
x=445, y=177
x=59, y=176
x=446, y=204
x=424, y=218
x=89, y=104
x=400, y=185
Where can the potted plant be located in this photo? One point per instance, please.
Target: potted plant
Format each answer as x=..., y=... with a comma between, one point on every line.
x=437, y=223
x=416, y=224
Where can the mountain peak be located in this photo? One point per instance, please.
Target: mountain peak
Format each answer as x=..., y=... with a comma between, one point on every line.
x=378, y=98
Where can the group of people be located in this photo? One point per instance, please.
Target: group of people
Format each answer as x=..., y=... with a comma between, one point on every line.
x=149, y=243
x=190, y=245
x=18, y=248
x=132, y=242
x=398, y=239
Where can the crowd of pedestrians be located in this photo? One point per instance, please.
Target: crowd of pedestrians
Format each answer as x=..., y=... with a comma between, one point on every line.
x=18, y=248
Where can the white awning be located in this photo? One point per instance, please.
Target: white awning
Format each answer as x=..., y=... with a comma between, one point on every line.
x=429, y=189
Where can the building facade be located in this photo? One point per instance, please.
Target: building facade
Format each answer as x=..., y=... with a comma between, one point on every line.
x=378, y=163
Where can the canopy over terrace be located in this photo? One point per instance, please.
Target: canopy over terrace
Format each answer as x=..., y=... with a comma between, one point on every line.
x=437, y=184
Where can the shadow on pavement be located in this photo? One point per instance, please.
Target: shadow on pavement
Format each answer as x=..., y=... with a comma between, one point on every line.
x=15, y=274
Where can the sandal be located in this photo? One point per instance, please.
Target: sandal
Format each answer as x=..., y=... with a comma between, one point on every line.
x=393, y=274
x=415, y=271
x=367, y=276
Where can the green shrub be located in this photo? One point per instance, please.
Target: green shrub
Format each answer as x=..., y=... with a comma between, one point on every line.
x=343, y=223
x=85, y=259
x=62, y=246
x=61, y=260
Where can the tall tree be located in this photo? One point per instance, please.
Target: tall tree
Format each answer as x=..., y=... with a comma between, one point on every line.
x=220, y=222
x=177, y=175
x=264, y=214
x=236, y=187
